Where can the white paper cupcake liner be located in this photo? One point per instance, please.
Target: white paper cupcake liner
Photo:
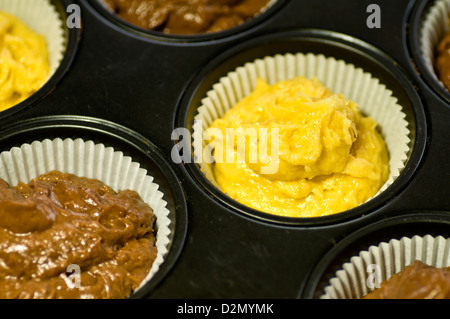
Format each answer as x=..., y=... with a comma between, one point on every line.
x=41, y=16
x=267, y=7
x=434, y=26
x=374, y=99
x=351, y=282
x=87, y=159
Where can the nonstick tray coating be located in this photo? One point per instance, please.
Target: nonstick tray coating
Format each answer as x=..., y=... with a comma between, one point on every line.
x=145, y=85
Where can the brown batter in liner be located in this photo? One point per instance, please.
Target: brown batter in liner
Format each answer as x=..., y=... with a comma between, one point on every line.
x=187, y=16
x=416, y=281
x=442, y=63
x=58, y=220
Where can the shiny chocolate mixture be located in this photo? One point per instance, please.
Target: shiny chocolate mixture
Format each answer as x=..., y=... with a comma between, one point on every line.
x=442, y=61
x=187, y=16
x=59, y=223
x=416, y=281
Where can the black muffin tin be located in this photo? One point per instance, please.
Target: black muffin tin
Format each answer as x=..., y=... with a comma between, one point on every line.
x=130, y=88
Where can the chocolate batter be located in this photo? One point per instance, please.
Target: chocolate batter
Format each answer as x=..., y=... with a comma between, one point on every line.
x=187, y=16
x=58, y=220
x=442, y=64
x=417, y=281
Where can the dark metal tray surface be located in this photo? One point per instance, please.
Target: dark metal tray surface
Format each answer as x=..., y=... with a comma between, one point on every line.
x=130, y=88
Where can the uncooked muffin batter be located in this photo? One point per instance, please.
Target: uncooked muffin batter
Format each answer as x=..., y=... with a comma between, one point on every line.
x=416, y=281
x=24, y=64
x=187, y=16
x=59, y=220
x=442, y=63
x=331, y=157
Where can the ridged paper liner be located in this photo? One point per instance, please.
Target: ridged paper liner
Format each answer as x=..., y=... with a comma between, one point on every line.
x=41, y=16
x=350, y=282
x=434, y=26
x=87, y=159
x=373, y=98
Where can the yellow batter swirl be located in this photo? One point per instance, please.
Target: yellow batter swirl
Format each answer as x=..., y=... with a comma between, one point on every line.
x=24, y=62
x=330, y=157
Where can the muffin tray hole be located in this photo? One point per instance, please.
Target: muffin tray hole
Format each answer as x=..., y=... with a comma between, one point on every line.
x=328, y=44
x=419, y=224
x=428, y=24
x=179, y=14
x=171, y=206
x=48, y=19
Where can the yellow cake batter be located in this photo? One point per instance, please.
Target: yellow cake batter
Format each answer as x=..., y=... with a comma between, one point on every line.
x=24, y=65
x=330, y=157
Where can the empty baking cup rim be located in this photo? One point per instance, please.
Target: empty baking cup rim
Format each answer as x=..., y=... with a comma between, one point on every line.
x=427, y=23
x=391, y=244
x=95, y=149
x=325, y=45
x=63, y=42
x=99, y=7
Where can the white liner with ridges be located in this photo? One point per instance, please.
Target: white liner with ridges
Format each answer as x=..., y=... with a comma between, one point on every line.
x=351, y=281
x=41, y=16
x=373, y=98
x=433, y=28
x=87, y=159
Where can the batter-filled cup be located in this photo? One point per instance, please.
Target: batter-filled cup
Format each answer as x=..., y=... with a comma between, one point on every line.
x=373, y=98
x=94, y=161
x=433, y=28
x=364, y=272
x=187, y=17
x=41, y=17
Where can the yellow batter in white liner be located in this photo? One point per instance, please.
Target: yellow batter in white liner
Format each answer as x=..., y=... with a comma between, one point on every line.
x=24, y=61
